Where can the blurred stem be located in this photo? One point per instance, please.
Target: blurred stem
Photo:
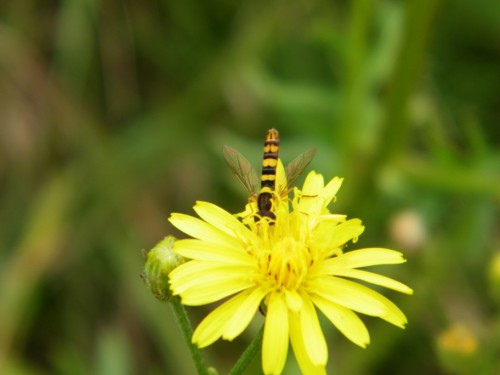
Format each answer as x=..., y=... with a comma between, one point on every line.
x=248, y=355
x=38, y=250
x=361, y=13
x=185, y=325
x=394, y=132
x=457, y=180
x=394, y=129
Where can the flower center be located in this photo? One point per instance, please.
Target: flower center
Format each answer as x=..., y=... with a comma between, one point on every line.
x=288, y=263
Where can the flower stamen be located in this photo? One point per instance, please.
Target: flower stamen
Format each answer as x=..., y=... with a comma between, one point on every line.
x=287, y=264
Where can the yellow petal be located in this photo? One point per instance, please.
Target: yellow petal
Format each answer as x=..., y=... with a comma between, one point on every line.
x=275, y=341
x=328, y=234
x=281, y=183
x=368, y=257
x=198, y=272
x=299, y=345
x=199, y=283
x=250, y=210
x=203, y=294
x=223, y=220
x=330, y=190
x=348, y=294
x=197, y=228
x=315, y=197
x=393, y=314
x=345, y=320
x=313, y=185
x=244, y=312
x=202, y=250
x=293, y=300
x=332, y=218
x=370, y=277
x=311, y=330
x=332, y=187
x=359, y=298
x=211, y=328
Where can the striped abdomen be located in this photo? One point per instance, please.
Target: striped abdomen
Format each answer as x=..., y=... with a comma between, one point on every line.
x=271, y=149
x=268, y=181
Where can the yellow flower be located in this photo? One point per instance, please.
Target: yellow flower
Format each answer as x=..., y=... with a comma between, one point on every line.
x=293, y=266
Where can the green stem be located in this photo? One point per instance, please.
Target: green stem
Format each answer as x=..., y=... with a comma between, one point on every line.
x=248, y=355
x=187, y=331
x=394, y=135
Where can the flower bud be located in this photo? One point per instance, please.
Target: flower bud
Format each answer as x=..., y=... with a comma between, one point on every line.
x=160, y=260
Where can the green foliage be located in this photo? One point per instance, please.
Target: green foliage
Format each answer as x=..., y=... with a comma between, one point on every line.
x=113, y=114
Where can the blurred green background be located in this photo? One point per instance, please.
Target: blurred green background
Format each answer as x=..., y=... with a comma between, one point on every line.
x=113, y=114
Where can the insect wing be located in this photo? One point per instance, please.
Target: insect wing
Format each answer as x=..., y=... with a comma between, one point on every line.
x=295, y=168
x=242, y=169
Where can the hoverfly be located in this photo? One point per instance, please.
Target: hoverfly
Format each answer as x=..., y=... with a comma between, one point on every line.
x=247, y=175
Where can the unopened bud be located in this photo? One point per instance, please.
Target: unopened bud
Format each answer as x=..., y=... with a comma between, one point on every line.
x=160, y=261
